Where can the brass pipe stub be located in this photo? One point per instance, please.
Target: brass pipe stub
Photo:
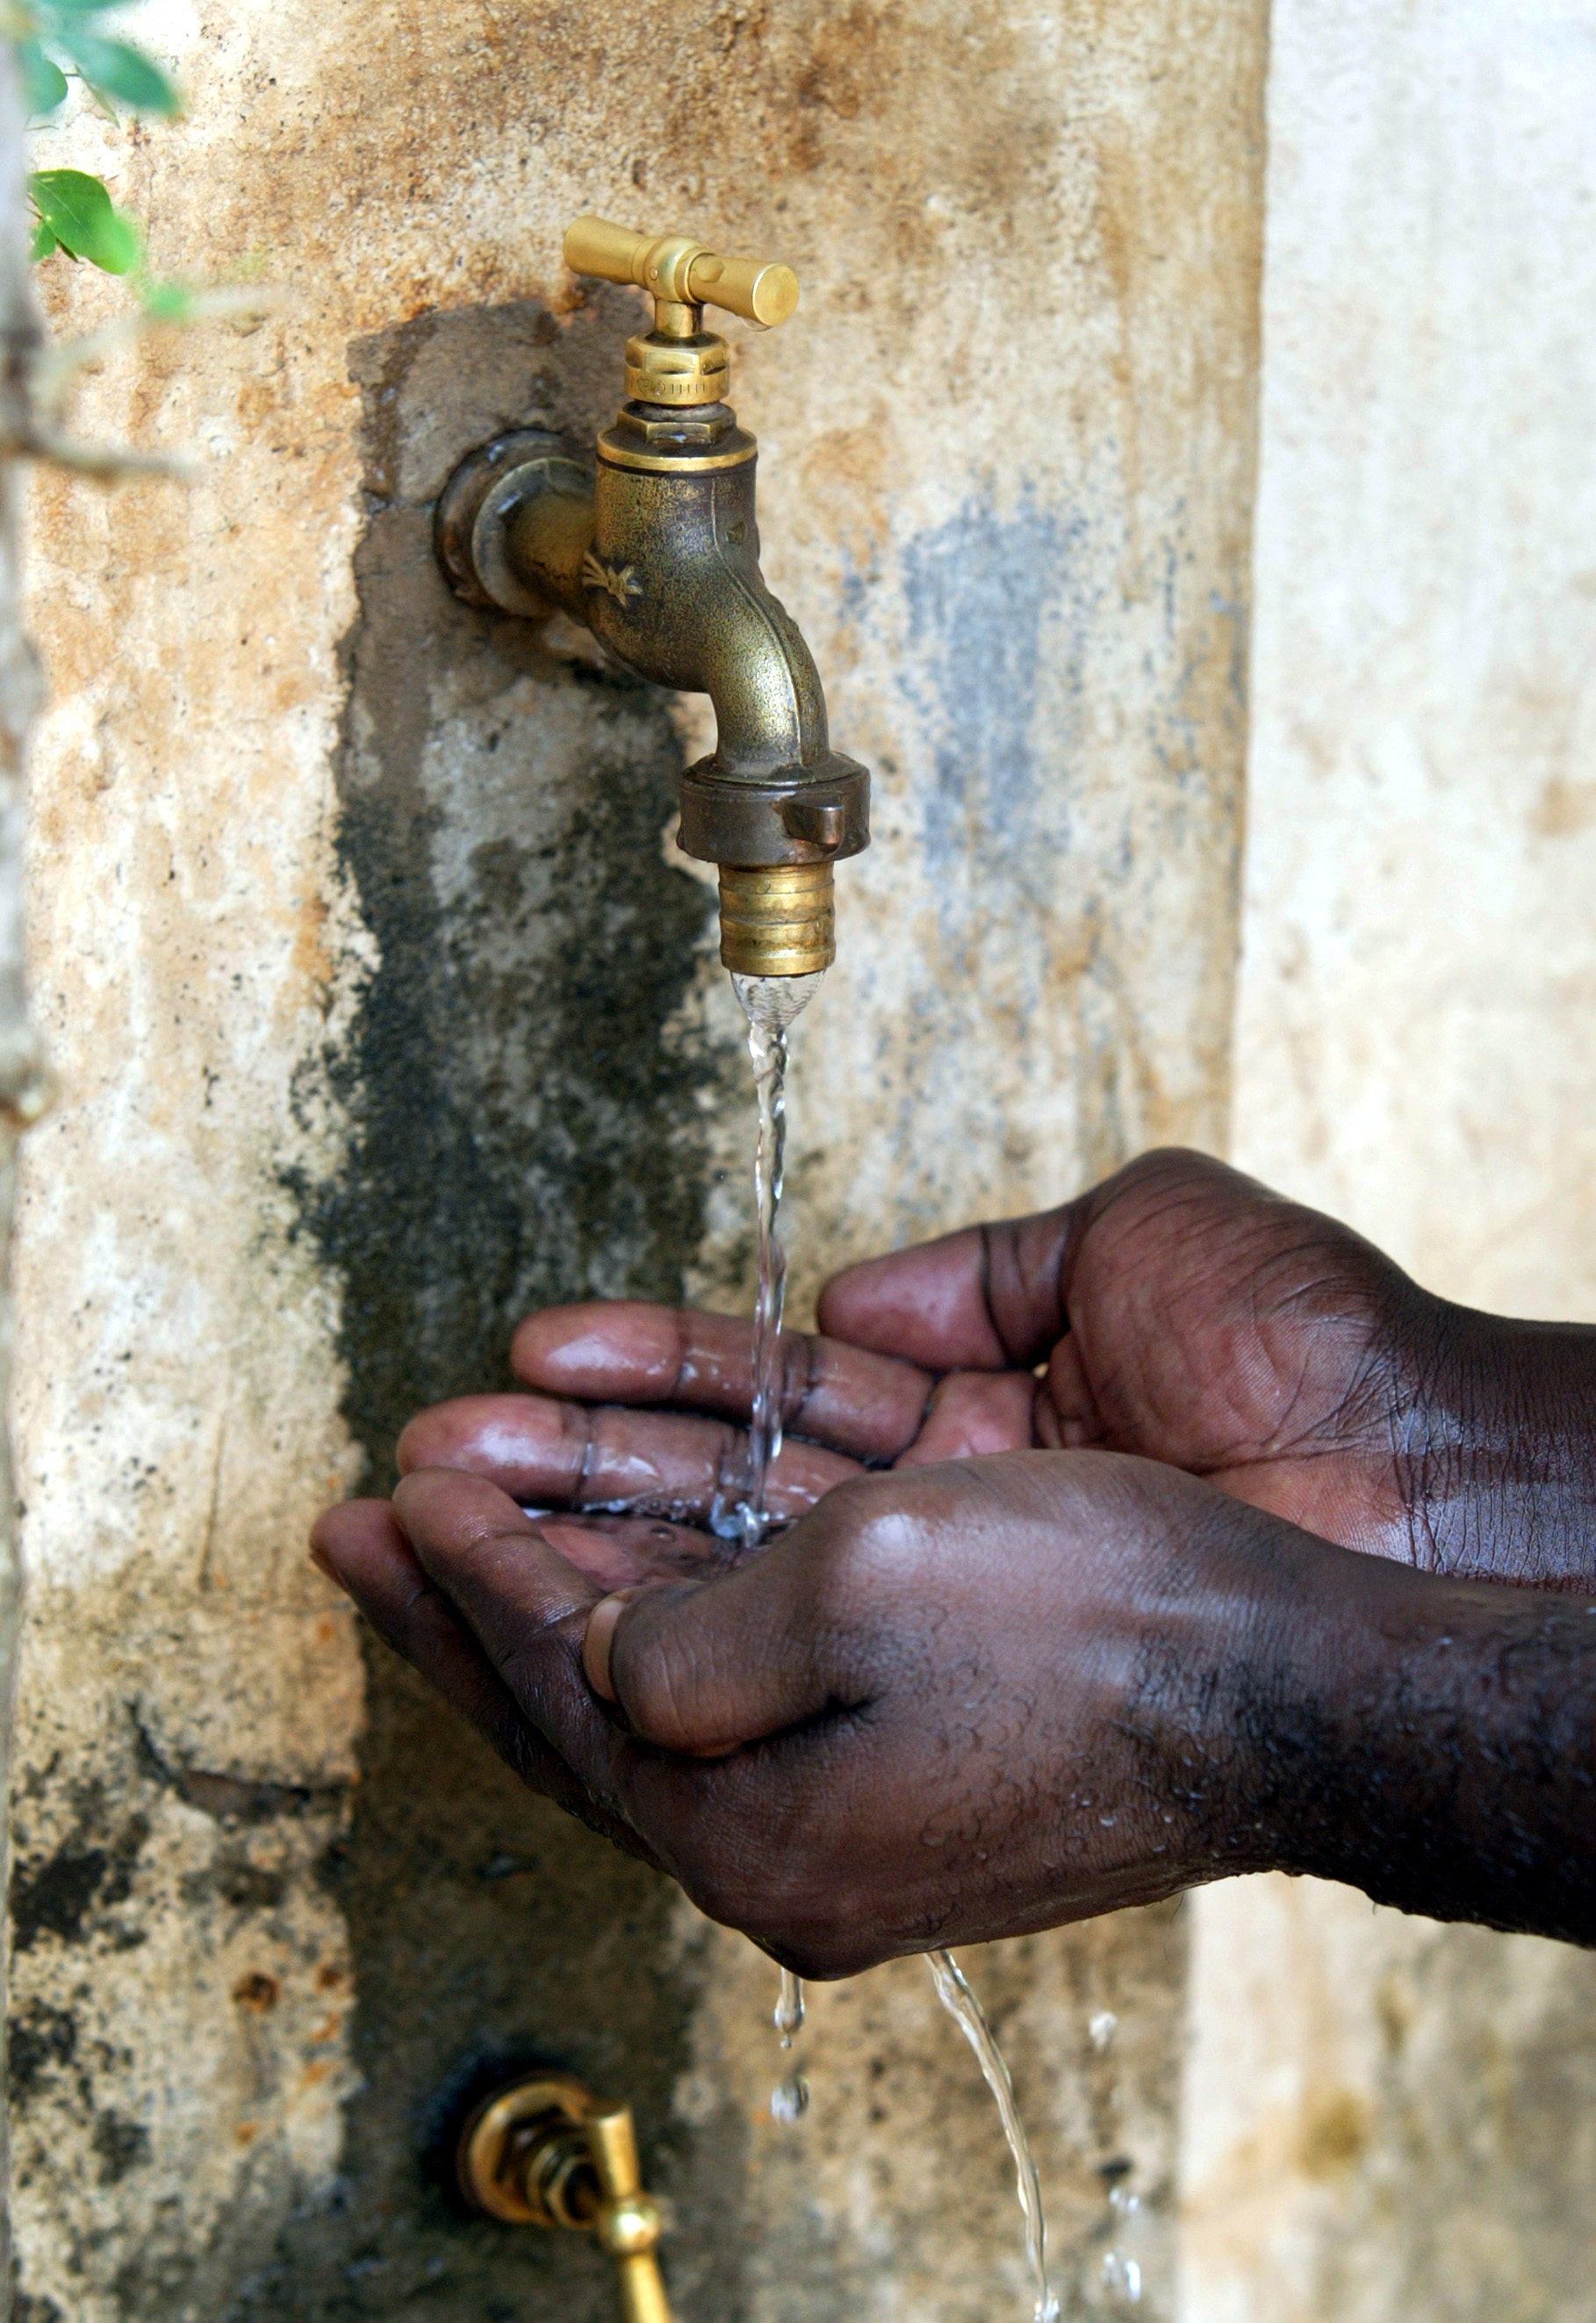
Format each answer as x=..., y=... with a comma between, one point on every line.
x=777, y=919
x=541, y=2152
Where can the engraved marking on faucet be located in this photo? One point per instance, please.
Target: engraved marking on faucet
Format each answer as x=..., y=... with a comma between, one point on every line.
x=621, y=583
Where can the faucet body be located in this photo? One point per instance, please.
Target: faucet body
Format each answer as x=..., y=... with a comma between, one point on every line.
x=657, y=551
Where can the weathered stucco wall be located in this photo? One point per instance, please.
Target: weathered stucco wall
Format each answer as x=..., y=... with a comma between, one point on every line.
x=1384, y=2117
x=380, y=1011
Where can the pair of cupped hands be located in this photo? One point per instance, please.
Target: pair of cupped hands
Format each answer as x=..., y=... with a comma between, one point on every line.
x=1073, y=1507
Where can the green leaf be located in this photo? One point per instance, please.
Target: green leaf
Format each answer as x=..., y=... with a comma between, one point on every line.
x=44, y=84
x=42, y=244
x=79, y=213
x=112, y=68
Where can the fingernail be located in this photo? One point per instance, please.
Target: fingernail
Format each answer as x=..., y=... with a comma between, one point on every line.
x=598, y=1638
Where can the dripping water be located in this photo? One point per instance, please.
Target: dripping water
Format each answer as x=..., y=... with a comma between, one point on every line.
x=970, y=2017
x=773, y=1005
x=789, y=2099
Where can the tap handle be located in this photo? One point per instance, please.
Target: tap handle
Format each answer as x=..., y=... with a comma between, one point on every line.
x=678, y=269
x=628, y=2219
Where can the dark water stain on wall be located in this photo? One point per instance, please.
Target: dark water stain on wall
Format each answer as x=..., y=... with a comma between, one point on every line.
x=522, y=1130
x=1001, y=607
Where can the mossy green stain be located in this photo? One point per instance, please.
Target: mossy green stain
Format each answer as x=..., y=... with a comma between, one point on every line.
x=523, y=1127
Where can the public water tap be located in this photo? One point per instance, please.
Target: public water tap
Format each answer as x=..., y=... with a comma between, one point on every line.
x=655, y=549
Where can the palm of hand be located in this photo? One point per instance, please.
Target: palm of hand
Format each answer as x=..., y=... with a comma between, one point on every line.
x=1178, y=1311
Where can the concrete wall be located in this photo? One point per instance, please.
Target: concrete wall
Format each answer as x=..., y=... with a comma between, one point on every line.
x=380, y=1011
x=1385, y=2118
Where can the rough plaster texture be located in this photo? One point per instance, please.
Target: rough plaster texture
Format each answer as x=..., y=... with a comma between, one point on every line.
x=380, y=1010
x=1383, y=2117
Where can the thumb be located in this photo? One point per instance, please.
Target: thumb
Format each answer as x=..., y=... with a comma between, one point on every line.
x=702, y=1668
x=986, y=1299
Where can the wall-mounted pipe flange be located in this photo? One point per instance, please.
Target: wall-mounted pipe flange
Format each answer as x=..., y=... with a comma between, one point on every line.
x=476, y=513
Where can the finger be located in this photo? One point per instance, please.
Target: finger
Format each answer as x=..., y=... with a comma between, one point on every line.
x=700, y=1668
x=360, y=1546
x=542, y=1451
x=622, y=1351
x=972, y=1412
x=524, y=1604
x=987, y=1299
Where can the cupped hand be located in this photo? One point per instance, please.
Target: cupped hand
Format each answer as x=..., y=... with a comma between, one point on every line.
x=1178, y=1311
x=943, y=1706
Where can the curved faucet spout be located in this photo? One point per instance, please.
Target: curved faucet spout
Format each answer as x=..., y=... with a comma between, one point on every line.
x=659, y=557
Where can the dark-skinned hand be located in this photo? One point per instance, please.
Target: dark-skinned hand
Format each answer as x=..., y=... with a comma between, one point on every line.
x=1178, y=1311
x=987, y=1698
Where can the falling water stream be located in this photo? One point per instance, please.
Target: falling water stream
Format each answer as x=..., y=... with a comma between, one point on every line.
x=970, y=2017
x=773, y=1005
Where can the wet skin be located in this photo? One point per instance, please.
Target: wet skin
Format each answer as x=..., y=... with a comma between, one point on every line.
x=1157, y=1537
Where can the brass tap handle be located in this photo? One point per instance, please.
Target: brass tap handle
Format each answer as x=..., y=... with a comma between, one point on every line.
x=681, y=271
x=628, y=2219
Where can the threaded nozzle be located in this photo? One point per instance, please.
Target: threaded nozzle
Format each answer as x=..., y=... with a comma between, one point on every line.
x=779, y=920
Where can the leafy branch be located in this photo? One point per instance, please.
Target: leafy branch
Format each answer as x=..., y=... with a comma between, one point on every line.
x=54, y=37
x=53, y=42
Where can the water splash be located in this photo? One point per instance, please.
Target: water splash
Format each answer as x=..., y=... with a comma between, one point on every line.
x=967, y=2013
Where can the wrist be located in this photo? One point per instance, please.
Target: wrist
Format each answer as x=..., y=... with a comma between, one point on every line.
x=1494, y=1437
x=1430, y=1741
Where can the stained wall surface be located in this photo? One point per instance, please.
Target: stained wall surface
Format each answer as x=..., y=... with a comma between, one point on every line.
x=1384, y=2117
x=381, y=1010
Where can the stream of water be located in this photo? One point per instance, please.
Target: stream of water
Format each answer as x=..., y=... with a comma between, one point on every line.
x=970, y=2017
x=773, y=1005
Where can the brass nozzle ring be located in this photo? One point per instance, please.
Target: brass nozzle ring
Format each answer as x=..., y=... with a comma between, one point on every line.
x=778, y=920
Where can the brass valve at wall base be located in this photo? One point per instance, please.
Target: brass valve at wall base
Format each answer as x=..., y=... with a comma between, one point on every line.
x=542, y=2152
x=655, y=548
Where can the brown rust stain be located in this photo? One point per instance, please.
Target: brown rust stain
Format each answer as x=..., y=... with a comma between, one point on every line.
x=1335, y=2131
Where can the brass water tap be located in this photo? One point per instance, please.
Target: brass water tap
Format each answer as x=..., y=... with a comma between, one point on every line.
x=657, y=551
x=541, y=2152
